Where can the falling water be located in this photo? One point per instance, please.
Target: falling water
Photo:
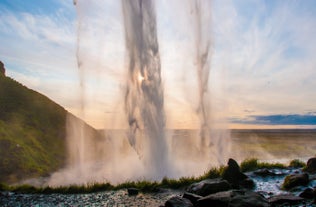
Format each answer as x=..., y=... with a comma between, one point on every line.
x=147, y=146
x=144, y=99
x=213, y=141
x=203, y=58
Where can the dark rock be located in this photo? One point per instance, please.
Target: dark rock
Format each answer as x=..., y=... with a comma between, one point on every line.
x=2, y=69
x=311, y=165
x=282, y=199
x=235, y=177
x=249, y=198
x=192, y=197
x=308, y=193
x=294, y=180
x=209, y=186
x=218, y=199
x=233, y=198
x=264, y=172
x=178, y=202
x=132, y=191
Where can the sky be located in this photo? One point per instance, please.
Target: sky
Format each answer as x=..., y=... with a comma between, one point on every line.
x=263, y=65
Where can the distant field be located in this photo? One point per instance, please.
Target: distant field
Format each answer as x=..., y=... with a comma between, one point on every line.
x=274, y=145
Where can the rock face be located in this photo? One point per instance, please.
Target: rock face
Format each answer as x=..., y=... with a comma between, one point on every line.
x=178, y=202
x=311, y=165
x=233, y=198
x=209, y=186
x=235, y=177
x=2, y=69
x=294, y=180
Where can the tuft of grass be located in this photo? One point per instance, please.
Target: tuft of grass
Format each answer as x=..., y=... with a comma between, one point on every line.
x=296, y=163
x=254, y=164
x=249, y=165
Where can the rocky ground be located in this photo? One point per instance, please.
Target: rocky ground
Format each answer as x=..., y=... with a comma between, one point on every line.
x=264, y=187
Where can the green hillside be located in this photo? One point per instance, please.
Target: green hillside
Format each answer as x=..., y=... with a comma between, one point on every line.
x=32, y=132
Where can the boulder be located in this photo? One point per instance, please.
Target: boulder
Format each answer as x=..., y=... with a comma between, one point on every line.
x=288, y=199
x=178, y=202
x=192, y=197
x=308, y=193
x=209, y=186
x=233, y=198
x=264, y=172
x=294, y=180
x=2, y=69
x=311, y=165
x=235, y=177
x=132, y=191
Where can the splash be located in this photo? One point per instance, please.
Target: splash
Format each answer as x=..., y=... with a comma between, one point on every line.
x=144, y=99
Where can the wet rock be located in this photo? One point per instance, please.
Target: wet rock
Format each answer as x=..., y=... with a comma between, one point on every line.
x=285, y=199
x=235, y=177
x=311, y=165
x=132, y=191
x=209, y=186
x=178, y=202
x=218, y=199
x=294, y=180
x=264, y=172
x=233, y=198
x=308, y=193
x=192, y=197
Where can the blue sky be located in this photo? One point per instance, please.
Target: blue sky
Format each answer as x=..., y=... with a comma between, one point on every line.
x=263, y=65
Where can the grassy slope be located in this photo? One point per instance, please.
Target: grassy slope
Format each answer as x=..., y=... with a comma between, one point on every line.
x=32, y=132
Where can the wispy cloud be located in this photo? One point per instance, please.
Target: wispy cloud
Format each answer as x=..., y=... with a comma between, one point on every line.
x=266, y=49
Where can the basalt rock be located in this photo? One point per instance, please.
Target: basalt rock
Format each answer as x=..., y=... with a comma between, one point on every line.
x=311, y=165
x=308, y=193
x=233, y=198
x=235, y=177
x=132, y=191
x=209, y=186
x=264, y=172
x=178, y=202
x=294, y=180
x=192, y=197
x=288, y=199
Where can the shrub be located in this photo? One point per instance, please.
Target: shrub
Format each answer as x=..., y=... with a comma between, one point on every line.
x=297, y=163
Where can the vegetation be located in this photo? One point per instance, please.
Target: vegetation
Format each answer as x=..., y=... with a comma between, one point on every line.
x=30, y=124
x=297, y=164
x=144, y=186
x=253, y=164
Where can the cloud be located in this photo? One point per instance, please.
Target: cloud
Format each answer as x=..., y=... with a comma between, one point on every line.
x=277, y=119
x=266, y=51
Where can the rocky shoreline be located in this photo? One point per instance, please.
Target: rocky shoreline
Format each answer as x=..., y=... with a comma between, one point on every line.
x=260, y=188
x=292, y=186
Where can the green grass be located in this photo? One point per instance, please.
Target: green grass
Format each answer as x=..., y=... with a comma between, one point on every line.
x=253, y=164
x=32, y=133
